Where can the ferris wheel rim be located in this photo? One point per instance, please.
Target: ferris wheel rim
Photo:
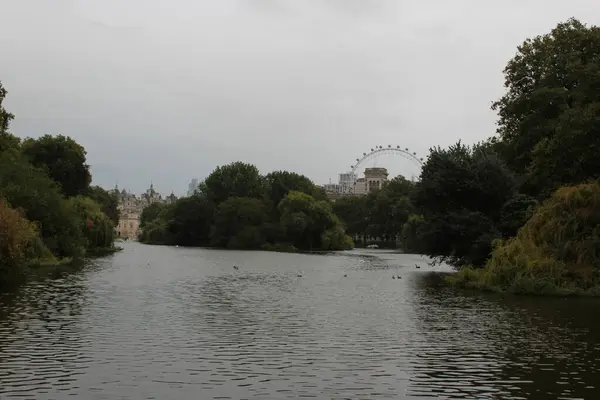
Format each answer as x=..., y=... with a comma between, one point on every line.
x=381, y=150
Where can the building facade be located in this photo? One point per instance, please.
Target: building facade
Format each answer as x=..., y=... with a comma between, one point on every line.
x=350, y=185
x=131, y=206
x=375, y=178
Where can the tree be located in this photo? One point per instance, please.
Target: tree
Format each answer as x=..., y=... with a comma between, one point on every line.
x=352, y=210
x=97, y=228
x=398, y=187
x=461, y=194
x=152, y=212
x=191, y=221
x=5, y=116
x=462, y=177
x=239, y=223
x=63, y=159
x=279, y=183
x=30, y=189
x=7, y=140
x=237, y=179
x=411, y=241
x=550, y=114
x=108, y=202
x=304, y=219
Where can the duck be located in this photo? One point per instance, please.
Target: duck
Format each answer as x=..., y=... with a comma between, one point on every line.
x=236, y=267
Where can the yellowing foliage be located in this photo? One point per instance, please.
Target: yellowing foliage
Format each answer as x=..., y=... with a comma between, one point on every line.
x=556, y=252
x=16, y=236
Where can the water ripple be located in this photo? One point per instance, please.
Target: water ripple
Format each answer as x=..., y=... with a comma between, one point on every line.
x=165, y=323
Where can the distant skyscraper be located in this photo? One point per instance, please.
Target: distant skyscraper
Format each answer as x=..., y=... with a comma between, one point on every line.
x=346, y=181
x=192, y=187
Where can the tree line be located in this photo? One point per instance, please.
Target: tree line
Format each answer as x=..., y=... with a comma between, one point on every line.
x=520, y=211
x=49, y=212
x=238, y=208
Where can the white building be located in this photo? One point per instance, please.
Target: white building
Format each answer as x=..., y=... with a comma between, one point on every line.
x=346, y=181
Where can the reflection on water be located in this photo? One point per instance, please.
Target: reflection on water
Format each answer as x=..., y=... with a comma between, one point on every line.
x=175, y=323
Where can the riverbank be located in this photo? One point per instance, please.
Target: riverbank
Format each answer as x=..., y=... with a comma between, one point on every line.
x=103, y=251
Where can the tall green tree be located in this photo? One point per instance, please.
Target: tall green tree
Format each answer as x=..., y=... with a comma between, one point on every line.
x=462, y=177
x=153, y=212
x=237, y=179
x=63, y=159
x=239, y=223
x=5, y=116
x=191, y=221
x=461, y=195
x=550, y=115
x=108, y=202
x=280, y=183
x=7, y=140
x=304, y=219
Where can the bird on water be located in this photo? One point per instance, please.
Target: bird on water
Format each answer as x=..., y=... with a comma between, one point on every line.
x=236, y=267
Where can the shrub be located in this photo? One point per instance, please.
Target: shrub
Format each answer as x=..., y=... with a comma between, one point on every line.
x=556, y=251
x=17, y=234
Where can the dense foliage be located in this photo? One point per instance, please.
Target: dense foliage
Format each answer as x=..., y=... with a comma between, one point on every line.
x=555, y=252
x=549, y=137
x=63, y=159
x=40, y=220
x=237, y=208
x=549, y=116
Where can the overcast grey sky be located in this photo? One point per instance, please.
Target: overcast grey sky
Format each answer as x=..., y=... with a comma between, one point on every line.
x=165, y=90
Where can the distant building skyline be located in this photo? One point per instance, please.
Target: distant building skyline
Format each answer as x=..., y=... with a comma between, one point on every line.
x=193, y=185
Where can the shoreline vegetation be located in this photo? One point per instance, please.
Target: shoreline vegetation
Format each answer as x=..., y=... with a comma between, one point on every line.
x=520, y=212
x=50, y=215
x=516, y=213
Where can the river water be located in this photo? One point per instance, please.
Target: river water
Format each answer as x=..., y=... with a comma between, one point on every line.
x=176, y=323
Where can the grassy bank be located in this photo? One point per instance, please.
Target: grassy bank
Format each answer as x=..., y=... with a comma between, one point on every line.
x=556, y=253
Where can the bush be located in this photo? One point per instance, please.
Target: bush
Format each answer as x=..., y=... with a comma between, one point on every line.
x=557, y=251
x=16, y=236
x=280, y=247
x=336, y=239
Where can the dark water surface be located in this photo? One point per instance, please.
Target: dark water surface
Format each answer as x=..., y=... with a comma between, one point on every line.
x=175, y=323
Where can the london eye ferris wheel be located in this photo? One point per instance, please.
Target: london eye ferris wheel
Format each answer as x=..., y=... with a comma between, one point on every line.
x=377, y=152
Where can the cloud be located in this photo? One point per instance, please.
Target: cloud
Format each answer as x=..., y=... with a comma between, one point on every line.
x=165, y=91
